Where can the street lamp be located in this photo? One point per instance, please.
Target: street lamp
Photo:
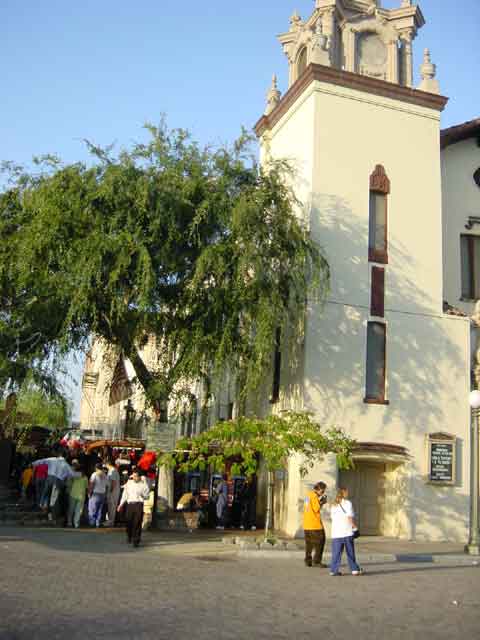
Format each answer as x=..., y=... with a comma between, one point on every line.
x=473, y=546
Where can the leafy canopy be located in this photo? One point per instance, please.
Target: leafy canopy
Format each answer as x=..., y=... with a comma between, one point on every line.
x=199, y=247
x=273, y=439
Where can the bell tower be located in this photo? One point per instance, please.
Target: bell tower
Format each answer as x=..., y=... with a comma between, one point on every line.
x=355, y=35
x=365, y=148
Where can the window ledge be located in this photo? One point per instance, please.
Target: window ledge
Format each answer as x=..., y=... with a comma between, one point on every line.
x=375, y=401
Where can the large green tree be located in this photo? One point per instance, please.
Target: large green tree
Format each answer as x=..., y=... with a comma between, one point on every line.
x=200, y=247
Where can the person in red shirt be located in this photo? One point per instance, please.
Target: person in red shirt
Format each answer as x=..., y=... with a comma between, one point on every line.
x=40, y=472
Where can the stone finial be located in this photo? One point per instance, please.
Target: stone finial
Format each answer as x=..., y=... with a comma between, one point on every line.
x=320, y=46
x=273, y=96
x=406, y=3
x=295, y=21
x=428, y=71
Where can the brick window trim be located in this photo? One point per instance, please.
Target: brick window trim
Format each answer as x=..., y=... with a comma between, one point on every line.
x=377, y=292
x=380, y=399
x=368, y=400
x=380, y=183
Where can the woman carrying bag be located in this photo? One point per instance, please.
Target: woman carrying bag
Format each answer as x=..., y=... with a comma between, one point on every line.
x=344, y=531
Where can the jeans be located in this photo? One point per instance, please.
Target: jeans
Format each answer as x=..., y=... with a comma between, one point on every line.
x=47, y=490
x=95, y=508
x=338, y=544
x=39, y=484
x=314, y=541
x=75, y=508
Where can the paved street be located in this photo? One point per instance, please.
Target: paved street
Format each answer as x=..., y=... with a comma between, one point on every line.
x=90, y=584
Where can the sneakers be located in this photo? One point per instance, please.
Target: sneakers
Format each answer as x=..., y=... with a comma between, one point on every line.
x=338, y=573
x=220, y=528
x=253, y=528
x=242, y=528
x=308, y=563
x=357, y=573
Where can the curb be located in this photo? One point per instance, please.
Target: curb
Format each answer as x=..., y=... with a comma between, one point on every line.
x=373, y=558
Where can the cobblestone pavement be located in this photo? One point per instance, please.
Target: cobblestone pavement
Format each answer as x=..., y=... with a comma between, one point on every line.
x=86, y=584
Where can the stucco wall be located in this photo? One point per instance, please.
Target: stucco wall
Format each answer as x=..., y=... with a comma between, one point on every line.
x=427, y=352
x=461, y=199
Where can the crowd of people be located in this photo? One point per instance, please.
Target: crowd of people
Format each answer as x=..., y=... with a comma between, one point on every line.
x=224, y=508
x=69, y=495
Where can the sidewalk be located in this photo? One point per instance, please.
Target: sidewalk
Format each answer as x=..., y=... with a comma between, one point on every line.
x=250, y=545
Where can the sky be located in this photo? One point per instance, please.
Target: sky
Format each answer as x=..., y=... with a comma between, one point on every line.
x=100, y=69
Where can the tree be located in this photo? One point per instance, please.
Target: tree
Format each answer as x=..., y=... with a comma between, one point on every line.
x=199, y=247
x=272, y=440
x=33, y=407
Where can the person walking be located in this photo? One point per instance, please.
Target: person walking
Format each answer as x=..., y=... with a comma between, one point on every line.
x=26, y=481
x=313, y=525
x=57, y=474
x=248, y=497
x=221, y=506
x=113, y=492
x=97, y=490
x=40, y=473
x=77, y=487
x=343, y=527
x=135, y=492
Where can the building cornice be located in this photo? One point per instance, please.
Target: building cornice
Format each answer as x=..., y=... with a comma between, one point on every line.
x=321, y=73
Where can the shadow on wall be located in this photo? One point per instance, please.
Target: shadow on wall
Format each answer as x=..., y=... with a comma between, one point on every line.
x=425, y=360
x=418, y=346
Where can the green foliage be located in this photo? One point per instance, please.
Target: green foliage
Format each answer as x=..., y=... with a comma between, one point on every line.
x=198, y=246
x=36, y=407
x=273, y=440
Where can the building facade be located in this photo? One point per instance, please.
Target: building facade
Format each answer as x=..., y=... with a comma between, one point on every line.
x=380, y=357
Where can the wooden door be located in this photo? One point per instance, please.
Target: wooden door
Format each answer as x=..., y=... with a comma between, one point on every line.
x=365, y=485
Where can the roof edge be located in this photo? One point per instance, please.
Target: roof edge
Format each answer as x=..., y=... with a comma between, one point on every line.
x=321, y=73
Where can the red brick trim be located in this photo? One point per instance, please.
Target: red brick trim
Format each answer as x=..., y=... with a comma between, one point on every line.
x=352, y=81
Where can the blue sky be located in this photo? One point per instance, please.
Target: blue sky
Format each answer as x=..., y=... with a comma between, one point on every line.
x=100, y=69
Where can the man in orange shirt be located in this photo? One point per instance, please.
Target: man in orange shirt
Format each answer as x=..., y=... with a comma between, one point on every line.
x=313, y=526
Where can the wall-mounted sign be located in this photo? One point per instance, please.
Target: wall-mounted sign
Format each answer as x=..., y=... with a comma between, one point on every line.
x=441, y=458
x=161, y=436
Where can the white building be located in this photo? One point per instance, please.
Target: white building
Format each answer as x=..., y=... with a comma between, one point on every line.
x=380, y=358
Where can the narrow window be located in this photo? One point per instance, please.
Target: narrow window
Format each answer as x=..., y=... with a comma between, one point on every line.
x=377, y=296
x=378, y=209
x=277, y=364
x=470, y=262
x=375, y=379
x=301, y=62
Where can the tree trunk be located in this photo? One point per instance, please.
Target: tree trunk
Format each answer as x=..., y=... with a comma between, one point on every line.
x=144, y=376
x=269, y=513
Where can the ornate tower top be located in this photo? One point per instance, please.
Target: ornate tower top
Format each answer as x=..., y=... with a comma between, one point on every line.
x=355, y=35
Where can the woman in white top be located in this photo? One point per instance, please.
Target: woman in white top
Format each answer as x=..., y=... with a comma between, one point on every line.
x=343, y=526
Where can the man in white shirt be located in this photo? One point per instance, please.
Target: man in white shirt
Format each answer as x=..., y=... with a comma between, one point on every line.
x=135, y=492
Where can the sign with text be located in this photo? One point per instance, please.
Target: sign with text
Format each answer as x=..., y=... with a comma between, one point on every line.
x=441, y=458
x=161, y=436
